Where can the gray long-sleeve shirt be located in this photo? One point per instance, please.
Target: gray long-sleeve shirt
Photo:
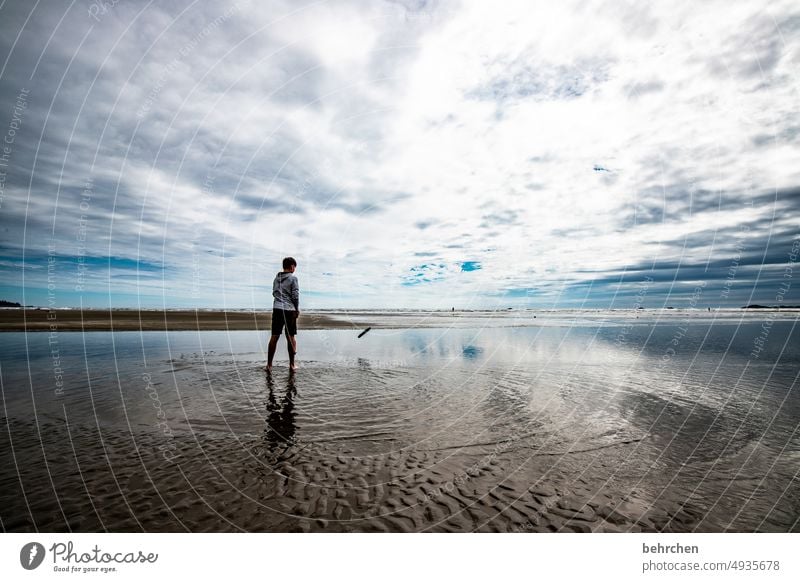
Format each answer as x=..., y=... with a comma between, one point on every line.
x=286, y=291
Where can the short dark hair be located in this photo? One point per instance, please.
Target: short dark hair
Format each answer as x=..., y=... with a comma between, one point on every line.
x=289, y=262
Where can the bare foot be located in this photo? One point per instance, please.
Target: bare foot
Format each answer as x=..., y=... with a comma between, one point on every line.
x=293, y=367
x=268, y=369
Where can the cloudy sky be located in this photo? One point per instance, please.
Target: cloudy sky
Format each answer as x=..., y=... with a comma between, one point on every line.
x=407, y=154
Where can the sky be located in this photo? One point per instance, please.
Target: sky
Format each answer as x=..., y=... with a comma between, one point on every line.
x=407, y=154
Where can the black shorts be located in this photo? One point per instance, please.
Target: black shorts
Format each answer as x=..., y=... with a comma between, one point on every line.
x=281, y=317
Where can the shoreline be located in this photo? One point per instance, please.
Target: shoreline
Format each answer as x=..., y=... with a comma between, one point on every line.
x=44, y=320
x=67, y=320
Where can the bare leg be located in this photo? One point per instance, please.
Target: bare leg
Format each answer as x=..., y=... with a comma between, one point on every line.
x=292, y=345
x=273, y=344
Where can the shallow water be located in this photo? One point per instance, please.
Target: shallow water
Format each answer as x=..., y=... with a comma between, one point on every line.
x=621, y=424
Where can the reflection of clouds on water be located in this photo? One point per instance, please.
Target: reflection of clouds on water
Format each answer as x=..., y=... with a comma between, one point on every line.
x=694, y=334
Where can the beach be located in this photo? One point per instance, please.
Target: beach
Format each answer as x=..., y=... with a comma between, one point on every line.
x=488, y=422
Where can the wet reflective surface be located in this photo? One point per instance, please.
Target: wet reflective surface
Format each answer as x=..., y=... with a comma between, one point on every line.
x=623, y=424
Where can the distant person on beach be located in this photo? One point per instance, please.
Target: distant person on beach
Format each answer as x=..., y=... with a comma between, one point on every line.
x=285, y=311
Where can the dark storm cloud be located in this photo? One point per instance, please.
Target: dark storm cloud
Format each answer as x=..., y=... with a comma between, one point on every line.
x=747, y=264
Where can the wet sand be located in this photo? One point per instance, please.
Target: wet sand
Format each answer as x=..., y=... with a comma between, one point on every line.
x=211, y=483
x=153, y=320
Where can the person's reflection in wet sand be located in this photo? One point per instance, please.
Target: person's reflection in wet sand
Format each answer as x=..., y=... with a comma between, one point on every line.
x=280, y=431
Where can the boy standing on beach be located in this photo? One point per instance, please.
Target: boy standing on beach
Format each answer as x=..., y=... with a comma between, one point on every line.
x=285, y=310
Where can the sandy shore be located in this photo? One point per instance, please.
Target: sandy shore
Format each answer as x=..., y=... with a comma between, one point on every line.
x=131, y=320
x=240, y=485
x=41, y=319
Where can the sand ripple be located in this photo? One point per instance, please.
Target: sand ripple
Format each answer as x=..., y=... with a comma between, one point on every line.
x=112, y=480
